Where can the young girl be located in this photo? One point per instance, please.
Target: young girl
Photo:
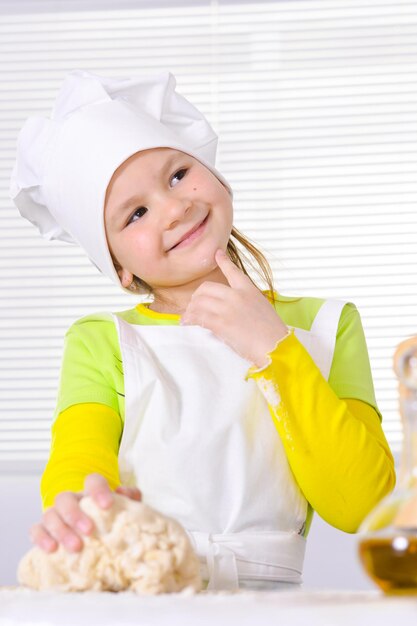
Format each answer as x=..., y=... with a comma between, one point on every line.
x=234, y=410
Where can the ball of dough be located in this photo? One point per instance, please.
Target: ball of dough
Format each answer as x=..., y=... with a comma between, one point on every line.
x=133, y=547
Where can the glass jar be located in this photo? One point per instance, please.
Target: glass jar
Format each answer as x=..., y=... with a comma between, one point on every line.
x=388, y=535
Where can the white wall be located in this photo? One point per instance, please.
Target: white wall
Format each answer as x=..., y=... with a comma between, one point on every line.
x=331, y=560
x=21, y=507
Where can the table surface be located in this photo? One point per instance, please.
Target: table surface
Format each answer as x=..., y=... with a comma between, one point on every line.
x=22, y=606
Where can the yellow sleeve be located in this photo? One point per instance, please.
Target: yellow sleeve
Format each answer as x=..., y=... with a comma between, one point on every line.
x=85, y=440
x=336, y=447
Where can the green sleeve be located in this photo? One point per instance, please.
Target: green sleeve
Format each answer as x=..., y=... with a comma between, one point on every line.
x=350, y=375
x=91, y=369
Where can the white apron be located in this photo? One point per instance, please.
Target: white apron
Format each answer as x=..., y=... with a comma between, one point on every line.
x=200, y=444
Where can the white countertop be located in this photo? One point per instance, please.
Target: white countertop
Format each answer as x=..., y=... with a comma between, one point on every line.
x=294, y=608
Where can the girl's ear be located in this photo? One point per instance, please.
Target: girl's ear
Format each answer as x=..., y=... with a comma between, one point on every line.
x=126, y=277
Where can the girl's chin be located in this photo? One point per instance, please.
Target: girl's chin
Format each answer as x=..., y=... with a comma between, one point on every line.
x=208, y=263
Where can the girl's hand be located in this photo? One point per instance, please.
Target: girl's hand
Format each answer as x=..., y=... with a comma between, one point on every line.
x=65, y=522
x=238, y=314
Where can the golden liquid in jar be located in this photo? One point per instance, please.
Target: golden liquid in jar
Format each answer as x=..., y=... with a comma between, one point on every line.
x=391, y=563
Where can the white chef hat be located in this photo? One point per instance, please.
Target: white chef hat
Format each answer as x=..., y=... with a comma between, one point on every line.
x=64, y=164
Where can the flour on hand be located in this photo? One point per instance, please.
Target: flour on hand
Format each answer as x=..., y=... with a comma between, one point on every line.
x=133, y=547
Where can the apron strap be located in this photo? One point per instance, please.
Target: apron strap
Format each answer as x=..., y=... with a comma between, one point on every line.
x=327, y=318
x=325, y=326
x=228, y=558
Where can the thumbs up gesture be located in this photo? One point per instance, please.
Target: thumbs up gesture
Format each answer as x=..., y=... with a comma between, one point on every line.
x=237, y=313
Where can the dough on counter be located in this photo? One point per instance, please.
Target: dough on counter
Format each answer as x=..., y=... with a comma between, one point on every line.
x=133, y=547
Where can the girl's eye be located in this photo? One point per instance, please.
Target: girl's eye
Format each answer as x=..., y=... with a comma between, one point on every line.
x=178, y=176
x=139, y=212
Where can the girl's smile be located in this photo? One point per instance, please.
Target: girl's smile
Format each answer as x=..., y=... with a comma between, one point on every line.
x=191, y=235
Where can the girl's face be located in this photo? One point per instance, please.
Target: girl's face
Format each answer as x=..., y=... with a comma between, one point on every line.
x=165, y=216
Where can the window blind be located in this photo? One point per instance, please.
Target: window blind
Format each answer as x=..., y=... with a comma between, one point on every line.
x=315, y=104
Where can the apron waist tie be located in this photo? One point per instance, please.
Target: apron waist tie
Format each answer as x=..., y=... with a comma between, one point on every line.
x=270, y=555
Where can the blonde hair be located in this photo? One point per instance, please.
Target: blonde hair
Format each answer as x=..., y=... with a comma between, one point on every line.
x=242, y=260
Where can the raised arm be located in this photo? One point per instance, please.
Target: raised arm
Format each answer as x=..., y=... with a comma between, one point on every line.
x=336, y=447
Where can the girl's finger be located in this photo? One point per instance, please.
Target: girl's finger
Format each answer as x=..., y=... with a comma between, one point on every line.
x=58, y=530
x=130, y=492
x=216, y=290
x=67, y=505
x=206, y=311
x=98, y=488
x=235, y=277
x=41, y=538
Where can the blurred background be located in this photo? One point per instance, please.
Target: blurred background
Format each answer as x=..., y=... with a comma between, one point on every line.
x=315, y=104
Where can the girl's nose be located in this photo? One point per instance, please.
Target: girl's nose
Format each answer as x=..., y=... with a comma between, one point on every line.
x=174, y=211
